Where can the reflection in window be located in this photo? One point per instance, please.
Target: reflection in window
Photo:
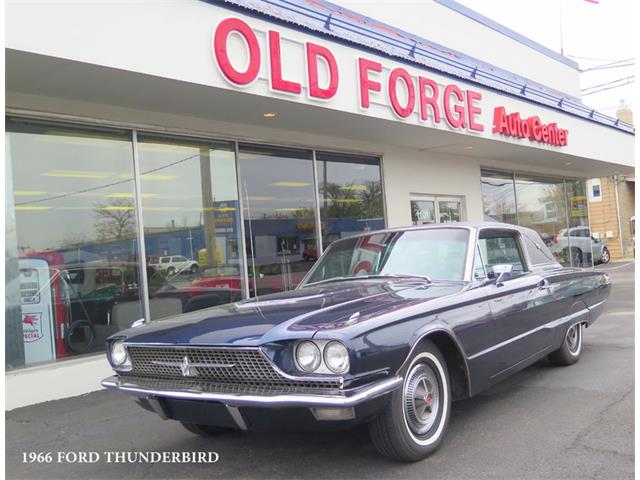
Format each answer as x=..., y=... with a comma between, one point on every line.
x=191, y=224
x=582, y=249
x=542, y=207
x=554, y=207
x=498, y=197
x=350, y=189
x=73, y=231
x=279, y=212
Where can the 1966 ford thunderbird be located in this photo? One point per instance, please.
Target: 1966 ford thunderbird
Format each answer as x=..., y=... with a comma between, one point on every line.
x=387, y=328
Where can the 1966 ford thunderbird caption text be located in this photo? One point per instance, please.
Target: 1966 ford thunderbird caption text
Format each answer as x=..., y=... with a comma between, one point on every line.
x=387, y=328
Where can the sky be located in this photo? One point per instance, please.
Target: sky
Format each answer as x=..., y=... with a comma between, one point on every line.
x=593, y=35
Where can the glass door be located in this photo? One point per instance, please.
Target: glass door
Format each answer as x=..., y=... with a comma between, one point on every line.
x=423, y=210
x=450, y=209
x=426, y=209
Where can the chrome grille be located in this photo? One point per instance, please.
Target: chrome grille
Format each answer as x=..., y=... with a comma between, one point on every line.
x=193, y=385
x=247, y=367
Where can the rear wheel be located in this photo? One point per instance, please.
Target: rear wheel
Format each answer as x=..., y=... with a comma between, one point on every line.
x=206, y=430
x=569, y=352
x=414, y=422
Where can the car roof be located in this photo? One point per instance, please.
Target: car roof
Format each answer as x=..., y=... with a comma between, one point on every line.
x=463, y=225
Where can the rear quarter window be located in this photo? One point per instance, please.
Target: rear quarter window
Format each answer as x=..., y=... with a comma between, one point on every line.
x=537, y=250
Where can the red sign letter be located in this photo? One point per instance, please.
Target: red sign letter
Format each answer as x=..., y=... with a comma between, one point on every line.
x=313, y=52
x=459, y=120
x=277, y=82
x=364, y=66
x=472, y=110
x=428, y=100
x=223, y=31
x=500, y=121
x=407, y=110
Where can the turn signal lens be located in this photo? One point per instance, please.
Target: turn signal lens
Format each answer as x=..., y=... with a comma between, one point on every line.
x=308, y=356
x=336, y=357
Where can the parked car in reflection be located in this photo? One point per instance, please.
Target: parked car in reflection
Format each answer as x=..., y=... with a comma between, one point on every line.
x=173, y=265
x=266, y=279
x=580, y=246
x=387, y=329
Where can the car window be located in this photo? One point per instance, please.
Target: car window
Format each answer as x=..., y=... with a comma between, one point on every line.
x=537, y=250
x=165, y=260
x=501, y=248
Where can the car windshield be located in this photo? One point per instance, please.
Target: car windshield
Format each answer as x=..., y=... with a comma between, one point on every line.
x=437, y=253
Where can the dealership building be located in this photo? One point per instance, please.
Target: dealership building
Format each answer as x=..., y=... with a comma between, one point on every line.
x=163, y=157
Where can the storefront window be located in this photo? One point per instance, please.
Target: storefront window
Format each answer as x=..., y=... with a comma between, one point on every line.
x=191, y=224
x=72, y=266
x=498, y=197
x=556, y=208
x=585, y=249
x=277, y=188
x=350, y=190
x=542, y=207
x=71, y=240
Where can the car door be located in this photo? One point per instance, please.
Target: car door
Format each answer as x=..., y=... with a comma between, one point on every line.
x=519, y=303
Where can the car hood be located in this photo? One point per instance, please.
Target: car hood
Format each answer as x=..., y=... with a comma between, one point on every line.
x=294, y=314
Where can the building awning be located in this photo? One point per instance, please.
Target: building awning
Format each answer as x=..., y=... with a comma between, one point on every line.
x=347, y=26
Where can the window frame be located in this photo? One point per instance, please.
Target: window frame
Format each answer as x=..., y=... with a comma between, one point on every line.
x=522, y=251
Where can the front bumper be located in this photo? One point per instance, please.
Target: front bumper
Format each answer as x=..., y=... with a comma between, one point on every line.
x=148, y=388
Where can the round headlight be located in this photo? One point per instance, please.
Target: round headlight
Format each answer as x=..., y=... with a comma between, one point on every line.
x=336, y=357
x=118, y=353
x=308, y=356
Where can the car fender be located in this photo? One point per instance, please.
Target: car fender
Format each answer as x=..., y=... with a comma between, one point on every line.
x=438, y=329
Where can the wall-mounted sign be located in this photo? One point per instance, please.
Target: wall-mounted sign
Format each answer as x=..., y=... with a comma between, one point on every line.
x=406, y=94
x=317, y=75
x=532, y=128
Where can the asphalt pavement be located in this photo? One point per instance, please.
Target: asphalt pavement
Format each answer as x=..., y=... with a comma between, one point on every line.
x=545, y=422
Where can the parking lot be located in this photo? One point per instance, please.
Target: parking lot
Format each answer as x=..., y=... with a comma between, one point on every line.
x=544, y=422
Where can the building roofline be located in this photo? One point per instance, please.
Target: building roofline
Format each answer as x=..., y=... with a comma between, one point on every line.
x=498, y=27
x=325, y=19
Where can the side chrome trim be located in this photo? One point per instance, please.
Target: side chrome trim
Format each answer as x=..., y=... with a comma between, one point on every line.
x=596, y=305
x=553, y=324
x=347, y=399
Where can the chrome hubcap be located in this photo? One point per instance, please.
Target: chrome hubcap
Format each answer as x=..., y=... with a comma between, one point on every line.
x=573, y=338
x=422, y=398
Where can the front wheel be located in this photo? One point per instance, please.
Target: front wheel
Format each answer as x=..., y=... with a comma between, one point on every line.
x=569, y=352
x=414, y=422
x=206, y=430
x=606, y=256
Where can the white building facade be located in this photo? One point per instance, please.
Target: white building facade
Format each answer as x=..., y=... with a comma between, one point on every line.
x=245, y=136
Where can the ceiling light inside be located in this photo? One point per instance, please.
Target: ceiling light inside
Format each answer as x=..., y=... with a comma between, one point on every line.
x=291, y=184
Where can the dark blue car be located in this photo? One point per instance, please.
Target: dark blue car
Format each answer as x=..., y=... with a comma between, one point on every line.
x=387, y=328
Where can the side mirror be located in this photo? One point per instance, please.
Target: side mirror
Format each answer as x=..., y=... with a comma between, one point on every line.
x=501, y=270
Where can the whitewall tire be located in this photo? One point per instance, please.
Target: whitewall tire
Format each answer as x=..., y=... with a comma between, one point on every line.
x=414, y=422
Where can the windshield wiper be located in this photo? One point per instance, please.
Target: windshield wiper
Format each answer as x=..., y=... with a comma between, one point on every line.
x=367, y=277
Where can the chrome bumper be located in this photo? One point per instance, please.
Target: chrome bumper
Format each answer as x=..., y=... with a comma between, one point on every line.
x=347, y=398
